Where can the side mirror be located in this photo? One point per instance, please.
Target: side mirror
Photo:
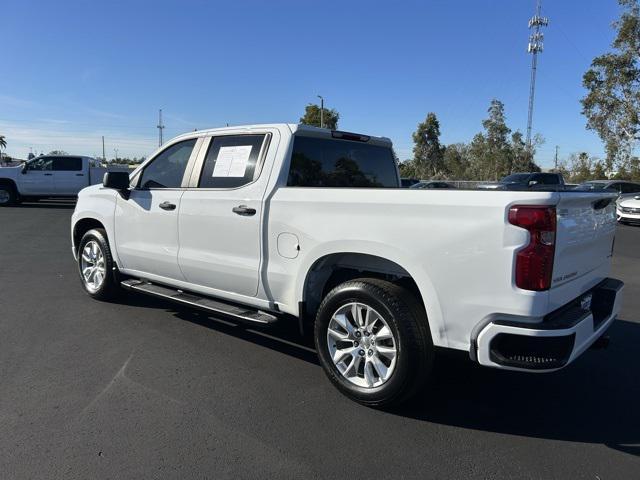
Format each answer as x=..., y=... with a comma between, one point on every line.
x=23, y=170
x=532, y=183
x=116, y=180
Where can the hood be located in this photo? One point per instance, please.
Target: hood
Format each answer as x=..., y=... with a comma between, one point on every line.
x=633, y=202
x=10, y=172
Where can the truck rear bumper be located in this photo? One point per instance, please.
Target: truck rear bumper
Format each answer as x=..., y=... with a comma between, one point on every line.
x=514, y=343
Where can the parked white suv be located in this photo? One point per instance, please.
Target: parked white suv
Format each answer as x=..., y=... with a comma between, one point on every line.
x=269, y=223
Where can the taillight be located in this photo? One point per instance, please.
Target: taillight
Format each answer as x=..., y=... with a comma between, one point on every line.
x=534, y=263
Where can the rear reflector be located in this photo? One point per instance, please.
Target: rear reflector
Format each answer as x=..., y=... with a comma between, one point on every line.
x=534, y=263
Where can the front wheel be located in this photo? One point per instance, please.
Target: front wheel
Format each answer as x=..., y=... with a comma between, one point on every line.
x=373, y=342
x=95, y=265
x=8, y=195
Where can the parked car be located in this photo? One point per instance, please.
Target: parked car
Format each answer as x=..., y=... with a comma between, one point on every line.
x=619, y=186
x=409, y=182
x=267, y=223
x=48, y=176
x=628, y=210
x=527, y=181
x=431, y=184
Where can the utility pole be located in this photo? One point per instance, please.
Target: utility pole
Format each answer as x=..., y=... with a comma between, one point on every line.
x=160, y=128
x=104, y=155
x=535, y=46
x=116, y=150
x=321, y=111
x=556, y=159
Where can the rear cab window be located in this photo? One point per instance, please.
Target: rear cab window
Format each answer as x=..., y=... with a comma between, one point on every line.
x=67, y=164
x=548, y=179
x=337, y=163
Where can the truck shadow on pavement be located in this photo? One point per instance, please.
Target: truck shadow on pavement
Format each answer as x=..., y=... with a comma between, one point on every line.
x=594, y=400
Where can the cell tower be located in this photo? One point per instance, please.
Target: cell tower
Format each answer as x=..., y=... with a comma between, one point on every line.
x=160, y=128
x=535, y=46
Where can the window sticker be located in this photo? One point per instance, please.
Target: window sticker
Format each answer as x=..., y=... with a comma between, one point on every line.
x=232, y=161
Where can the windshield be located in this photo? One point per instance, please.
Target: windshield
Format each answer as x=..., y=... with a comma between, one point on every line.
x=515, y=178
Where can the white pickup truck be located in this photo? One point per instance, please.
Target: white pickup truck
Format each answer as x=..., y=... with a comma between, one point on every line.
x=270, y=223
x=48, y=176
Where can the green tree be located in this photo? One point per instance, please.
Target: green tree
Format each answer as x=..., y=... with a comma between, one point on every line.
x=407, y=169
x=581, y=167
x=3, y=144
x=428, y=153
x=457, y=161
x=498, y=154
x=57, y=152
x=311, y=117
x=598, y=172
x=612, y=103
x=634, y=169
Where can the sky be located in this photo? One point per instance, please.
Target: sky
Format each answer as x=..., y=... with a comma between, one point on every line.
x=73, y=71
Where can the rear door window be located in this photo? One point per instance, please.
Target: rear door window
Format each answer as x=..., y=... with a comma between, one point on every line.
x=322, y=162
x=232, y=161
x=67, y=164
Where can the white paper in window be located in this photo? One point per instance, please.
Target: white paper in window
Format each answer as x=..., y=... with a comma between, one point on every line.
x=232, y=161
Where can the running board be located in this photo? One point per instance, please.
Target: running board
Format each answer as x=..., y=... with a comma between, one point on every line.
x=205, y=303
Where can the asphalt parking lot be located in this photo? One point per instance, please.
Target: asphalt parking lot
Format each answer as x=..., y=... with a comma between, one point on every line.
x=145, y=389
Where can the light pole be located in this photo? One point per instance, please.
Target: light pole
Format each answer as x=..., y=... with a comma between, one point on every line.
x=321, y=111
x=116, y=150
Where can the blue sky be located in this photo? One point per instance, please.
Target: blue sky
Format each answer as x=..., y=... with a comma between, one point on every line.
x=73, y=71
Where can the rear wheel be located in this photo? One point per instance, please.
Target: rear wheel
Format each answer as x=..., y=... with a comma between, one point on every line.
x=8, y=195
x=373, y=342
x=96, y=267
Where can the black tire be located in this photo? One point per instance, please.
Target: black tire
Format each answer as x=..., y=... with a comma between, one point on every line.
x=110, y=287
x=8, y=195
x=408, y=322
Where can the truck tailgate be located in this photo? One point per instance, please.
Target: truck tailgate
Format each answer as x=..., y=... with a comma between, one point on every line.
x=586, y=226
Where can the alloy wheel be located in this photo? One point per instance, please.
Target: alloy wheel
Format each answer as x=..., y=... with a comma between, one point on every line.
x=362, y=345
x=92, y=266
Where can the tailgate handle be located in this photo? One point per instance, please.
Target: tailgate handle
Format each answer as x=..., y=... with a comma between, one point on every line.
x=600, y=204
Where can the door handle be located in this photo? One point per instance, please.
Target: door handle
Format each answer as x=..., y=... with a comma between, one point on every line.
x=48, y=174
x=244, y=210
x=79, y=174
x=167, y=206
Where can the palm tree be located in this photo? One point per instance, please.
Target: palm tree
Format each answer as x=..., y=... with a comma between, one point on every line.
x=3, y=144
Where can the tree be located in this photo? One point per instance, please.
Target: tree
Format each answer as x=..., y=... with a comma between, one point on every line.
x=457, y=161
x=598, y=172
x=634, y=169
x=57, y=152
x=3, y=144
x=407, y=170
x=311, y=116
x=581, y=166
x=496, y=133
x=612, y=103
x=428, y=154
